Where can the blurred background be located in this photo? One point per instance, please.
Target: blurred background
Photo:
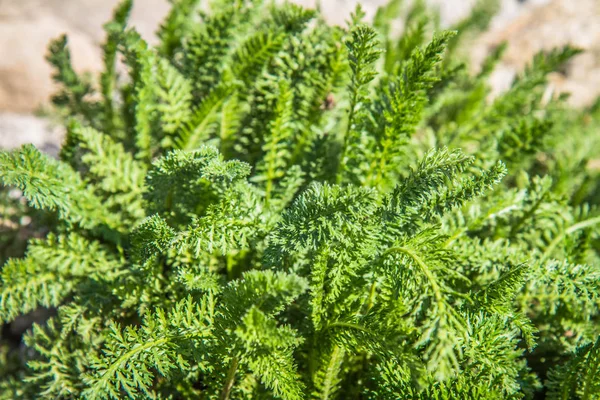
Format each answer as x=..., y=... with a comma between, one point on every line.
x=26, y=27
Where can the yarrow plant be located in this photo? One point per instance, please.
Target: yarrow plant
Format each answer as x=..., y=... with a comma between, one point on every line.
x=267, y=206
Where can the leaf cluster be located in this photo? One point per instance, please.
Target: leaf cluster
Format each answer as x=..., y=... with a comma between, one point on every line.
x=267, y=206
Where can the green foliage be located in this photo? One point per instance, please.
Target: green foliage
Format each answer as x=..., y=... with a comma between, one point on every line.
x=580, y=377
x=271, y=207
x=65, y=258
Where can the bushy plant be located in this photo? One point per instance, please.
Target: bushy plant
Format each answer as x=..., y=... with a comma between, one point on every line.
x=266, y=206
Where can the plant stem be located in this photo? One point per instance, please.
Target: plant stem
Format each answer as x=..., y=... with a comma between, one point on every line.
x=371, y=299
x=230, y=266
x=347, y=325
x=437, y=291
x=572, y=229
x=353, y=102
x=230, y=379
x=332, y=371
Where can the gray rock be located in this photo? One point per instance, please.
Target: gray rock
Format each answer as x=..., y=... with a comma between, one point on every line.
x=543, y=25
x=26, y=27
x=19, y=129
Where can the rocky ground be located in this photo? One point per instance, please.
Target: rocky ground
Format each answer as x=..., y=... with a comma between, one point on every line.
x=26, y=26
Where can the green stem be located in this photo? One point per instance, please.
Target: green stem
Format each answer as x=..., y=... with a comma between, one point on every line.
x=230, y=379
x=223, y=136
x=382, y=164
x=348, y=325
x=455, y=236
x=204, y=116
x=340, y=172
x=371, y=298
x=515, y=228
x=374, y=181
x=269, y=184
x=572, y=229
x=353, y=103
x=312, y=359
x=437, y=290
x=230, y=265
x=123, y=359
x=331, y=373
